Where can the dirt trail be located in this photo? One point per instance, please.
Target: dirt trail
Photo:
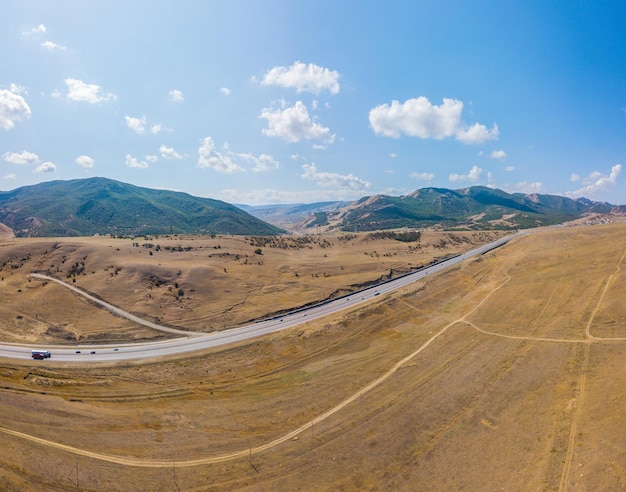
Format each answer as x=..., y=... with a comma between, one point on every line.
x=146, y=463
x=115, y=309
x=582, y=382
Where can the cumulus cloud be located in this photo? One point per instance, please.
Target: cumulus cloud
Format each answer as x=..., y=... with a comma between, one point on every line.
x=477, y=134
x=336, y=180
x=294, y=124
x=262, y=163
x=169, y=153
x=135, y=163
x=79, y=91
x=498, y=154
x=17, y=89
x=596, y=182
x=85, y=161
x=152, y=158
x=228, y=161
x=304, y=78
x=574, y=178
x=45, y=167
x=157, y=128
x=526, y=187
x=225, y=90
x=40, y=29
x=23, y=158
x=473, y=175
x=138, y=125
x=210, y=157
x=419, y=118
x=422, y=176
x=176, y=96
x=13, y=108
x=52, y=46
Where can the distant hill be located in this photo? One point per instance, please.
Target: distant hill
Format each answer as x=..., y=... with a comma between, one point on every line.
x=84, y=207
x=292, y=216
x=475, y=208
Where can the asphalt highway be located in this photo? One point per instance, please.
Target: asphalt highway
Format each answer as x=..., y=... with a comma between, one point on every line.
x=193, y=342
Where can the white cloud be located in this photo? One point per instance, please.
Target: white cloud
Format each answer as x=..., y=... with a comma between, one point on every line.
x=209, y=157
x=13, y=107
x=169, y=153
x=498, y=154
x=294, y=124
x=17, y=89
x=304, y=78
x=35, y=30
x=138, y=125
x=422, y=176
x=261, y=163
x=473, y=175
x=229, y=161
x=135, y=163
x=225, y=90
x=393, y=155
x=273, y=196
x=46, y=167
x=22, y=158
x=10, y=176
x=419, y=118
x=85, y=161
x=152, y=158
x=52, y=46
x=509, y=168
x=77, y=90
x=157, y=128
x=176, y=96
x=574, y=178
x=477, y=134
x=336, y=180
x=596, y=182
x=525, y=187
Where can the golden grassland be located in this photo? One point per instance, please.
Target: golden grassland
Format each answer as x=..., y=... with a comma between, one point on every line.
x=194, y=283
x=510, y=368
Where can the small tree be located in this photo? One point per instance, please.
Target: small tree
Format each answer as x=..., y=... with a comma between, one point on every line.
x=258, y=251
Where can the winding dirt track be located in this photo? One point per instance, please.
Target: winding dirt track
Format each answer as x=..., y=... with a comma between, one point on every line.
x=147, y=463
x=114, y=309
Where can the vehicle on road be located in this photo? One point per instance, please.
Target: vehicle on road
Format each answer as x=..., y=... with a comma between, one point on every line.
x=40, y=354
x=93, y=352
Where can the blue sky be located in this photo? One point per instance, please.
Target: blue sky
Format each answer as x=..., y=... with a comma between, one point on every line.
x=302, y=101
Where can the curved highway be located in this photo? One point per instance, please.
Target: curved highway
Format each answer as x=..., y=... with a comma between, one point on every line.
x=196, y=341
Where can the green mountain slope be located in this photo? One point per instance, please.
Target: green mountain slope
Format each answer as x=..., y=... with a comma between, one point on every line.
x=85, y=207
x=477, y=207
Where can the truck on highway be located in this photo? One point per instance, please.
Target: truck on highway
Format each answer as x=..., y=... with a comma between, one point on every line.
x=40, y=354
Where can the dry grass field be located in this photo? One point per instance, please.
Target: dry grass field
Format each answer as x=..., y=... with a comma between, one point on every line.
x=506, y=373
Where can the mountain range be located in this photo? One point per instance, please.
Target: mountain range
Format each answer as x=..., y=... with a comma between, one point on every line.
x=91, y=206
x=84, y=207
